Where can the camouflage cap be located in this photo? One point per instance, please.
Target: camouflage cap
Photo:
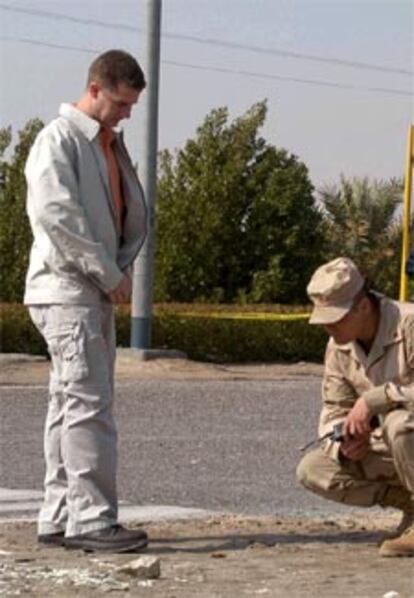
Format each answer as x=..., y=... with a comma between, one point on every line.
x=332, y=290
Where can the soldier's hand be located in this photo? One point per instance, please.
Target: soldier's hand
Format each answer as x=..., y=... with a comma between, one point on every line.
x=357, y=422
x=355, y=449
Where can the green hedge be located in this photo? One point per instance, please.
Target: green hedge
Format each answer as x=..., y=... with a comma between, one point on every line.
x=17, y=333
x=202, y=338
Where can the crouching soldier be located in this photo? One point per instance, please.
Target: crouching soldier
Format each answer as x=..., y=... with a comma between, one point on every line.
x=368, y=386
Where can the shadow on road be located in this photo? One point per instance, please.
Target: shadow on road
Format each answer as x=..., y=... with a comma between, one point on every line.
x=230, y=542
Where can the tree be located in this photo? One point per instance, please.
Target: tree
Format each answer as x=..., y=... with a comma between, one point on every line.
x=362, y=224
x=236, y=218
x=15, y=234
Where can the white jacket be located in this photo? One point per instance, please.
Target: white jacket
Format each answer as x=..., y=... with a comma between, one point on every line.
x=77, y=255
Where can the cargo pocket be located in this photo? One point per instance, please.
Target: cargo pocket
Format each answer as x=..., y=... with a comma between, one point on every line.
x=68, y=348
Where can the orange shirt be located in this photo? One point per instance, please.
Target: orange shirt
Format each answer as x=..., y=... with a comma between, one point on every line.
x=107, y=137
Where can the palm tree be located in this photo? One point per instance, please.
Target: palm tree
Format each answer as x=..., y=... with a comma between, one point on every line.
x=363, y=223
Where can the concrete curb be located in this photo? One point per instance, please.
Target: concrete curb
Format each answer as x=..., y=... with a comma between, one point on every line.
x=24, y=505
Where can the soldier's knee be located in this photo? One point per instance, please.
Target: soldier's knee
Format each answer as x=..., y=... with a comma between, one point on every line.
x=308, y=470
x=398, y=428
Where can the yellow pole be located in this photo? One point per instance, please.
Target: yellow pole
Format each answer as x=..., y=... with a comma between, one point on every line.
x=405, y=250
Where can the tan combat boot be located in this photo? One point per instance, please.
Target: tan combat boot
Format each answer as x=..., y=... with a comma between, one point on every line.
x=402, y=546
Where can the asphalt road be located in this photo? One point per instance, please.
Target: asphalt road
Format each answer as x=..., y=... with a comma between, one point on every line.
x=213, y=444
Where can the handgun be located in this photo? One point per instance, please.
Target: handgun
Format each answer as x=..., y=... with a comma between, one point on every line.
x=337, y=433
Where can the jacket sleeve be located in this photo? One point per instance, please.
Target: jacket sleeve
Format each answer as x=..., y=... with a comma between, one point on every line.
x=57, y=215
x=391, y=395
x=338, y=399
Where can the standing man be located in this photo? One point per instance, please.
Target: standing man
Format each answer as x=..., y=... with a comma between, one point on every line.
x=88, y=217
x=368, y=383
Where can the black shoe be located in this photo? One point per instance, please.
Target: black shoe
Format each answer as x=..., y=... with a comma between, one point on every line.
x=110, y=539
x=56, y=539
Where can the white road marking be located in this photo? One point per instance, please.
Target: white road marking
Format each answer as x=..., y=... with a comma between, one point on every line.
x=25, y=505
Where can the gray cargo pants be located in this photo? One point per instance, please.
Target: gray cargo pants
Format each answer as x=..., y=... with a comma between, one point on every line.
x=384, y=477
x=80, y=436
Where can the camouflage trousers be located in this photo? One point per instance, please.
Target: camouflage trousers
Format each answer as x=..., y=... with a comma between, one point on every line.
x=384, y=477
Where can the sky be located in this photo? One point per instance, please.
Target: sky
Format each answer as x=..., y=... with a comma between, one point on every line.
x=338, y=75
